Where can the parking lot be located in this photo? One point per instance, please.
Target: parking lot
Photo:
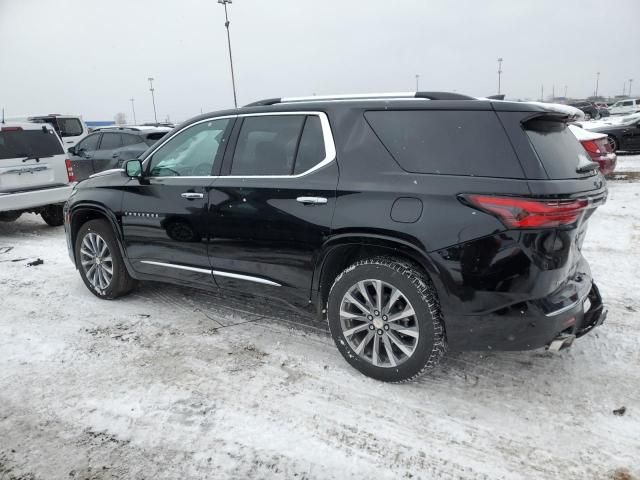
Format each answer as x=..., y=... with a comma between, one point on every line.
x=178, y=383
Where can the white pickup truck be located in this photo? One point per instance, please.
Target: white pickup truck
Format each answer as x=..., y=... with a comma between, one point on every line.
x=35, y=174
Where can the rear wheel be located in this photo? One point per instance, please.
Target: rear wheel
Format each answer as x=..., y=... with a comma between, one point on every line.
x=101, y=266
x=53, y=215
x=613, y=142
x=385, y=319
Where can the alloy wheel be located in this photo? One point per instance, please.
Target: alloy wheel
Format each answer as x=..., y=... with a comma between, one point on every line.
x=96, y=260
x=379, y=323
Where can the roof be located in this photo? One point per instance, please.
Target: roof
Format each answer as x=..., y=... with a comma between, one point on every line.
x=25, y=125
x=394, y=100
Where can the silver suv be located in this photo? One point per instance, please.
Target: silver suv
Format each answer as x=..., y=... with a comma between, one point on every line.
x=35, y=174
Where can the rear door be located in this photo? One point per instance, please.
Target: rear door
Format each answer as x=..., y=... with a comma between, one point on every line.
x=271, y=210
x=30, y=159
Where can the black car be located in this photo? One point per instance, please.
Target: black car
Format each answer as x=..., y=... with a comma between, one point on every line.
x=110, y=147
x=624, y=134
x=413, y=224
x=591, y=110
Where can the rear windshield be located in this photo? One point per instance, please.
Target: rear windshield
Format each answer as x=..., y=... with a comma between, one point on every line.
x=561, y=154
x=29, y=143
x=69, y=127
x=447, y=142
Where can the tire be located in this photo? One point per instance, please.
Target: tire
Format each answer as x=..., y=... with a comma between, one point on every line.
x=422, y=334
x=53, y=215
x=613, y=142
x=10, y=216
x=91, y=238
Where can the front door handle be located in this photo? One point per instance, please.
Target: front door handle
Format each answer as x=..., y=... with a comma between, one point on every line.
x=192, y=195
x=312, y=200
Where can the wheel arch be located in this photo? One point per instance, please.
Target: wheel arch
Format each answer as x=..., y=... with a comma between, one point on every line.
x=340, y=252
x=82, y=213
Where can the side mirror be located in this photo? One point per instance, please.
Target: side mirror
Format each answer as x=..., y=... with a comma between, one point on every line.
x=72, y=150
x=133, y=168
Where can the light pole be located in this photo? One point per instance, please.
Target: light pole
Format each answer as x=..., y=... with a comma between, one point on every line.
x=542, y=92
x=630, y=82
x=133, y=109
x=153, y=98
x=226, y=24
x=565, y=91
x=597, y=82
x=499, y=73
x=624, y=87
x=417, y=82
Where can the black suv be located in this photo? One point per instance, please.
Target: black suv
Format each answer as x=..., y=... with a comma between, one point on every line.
x=110, y=147
x=414, y=224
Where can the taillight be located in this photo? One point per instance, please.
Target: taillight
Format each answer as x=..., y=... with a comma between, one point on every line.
x=525, y=213
x=592, y=146
x=70, y=175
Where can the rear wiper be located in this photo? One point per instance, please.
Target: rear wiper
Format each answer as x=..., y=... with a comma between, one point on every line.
x=588, y=167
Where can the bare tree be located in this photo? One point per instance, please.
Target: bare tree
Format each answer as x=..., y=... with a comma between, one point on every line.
x=120, y=118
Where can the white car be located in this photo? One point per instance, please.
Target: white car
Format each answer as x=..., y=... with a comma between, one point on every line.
x=631, y=105
x=70, y=128
x=35, y=174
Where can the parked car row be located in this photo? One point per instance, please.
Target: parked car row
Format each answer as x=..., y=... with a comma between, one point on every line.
x=623, y=131
x=109, y=147
x=412, y=223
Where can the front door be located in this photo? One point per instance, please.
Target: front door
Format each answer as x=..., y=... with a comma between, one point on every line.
x=164, y=214
x=271, y=209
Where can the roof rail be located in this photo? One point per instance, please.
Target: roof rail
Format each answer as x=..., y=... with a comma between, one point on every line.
x=363, y=96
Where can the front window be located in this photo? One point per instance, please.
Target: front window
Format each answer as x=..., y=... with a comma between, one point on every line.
x=192, y=152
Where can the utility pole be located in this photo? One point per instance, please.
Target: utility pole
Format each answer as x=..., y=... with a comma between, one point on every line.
x=153, y=98
x=499, y=73
x=417, y=82
x=624, y=87
x=226, y=24
x=565, y=91
x=133, y=109
x=630, y=82
x=553, y=91
x=542, y=93
x=597, y=82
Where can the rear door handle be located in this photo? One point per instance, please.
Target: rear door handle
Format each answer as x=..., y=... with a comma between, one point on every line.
x=312, y=200
x=192, y=195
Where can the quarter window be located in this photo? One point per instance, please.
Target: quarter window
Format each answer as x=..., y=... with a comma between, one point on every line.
x=191, y=152
x=130, y=139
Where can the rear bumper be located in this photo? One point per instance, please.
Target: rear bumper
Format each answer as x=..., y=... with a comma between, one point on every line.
x=526, y=326
x=34, y=198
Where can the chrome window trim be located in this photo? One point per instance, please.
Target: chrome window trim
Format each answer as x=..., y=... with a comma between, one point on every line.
x=329, y=145
x=239, y=276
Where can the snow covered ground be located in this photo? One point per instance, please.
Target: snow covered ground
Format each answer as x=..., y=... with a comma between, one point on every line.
x=177, y=383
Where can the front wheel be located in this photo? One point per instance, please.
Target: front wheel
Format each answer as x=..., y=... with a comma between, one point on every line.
x=99, y=261
x=385, y=319
x=613, y=143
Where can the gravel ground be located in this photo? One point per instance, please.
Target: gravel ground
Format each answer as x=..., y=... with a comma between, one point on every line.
x=178, y=383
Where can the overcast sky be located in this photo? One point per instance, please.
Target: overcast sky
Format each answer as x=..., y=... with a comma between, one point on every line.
x=91, y=57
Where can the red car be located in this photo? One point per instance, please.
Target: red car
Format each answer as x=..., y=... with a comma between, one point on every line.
x=598, y=147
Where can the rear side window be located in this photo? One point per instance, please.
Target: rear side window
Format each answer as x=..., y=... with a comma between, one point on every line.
x=29, y=143
x=447, y=142
x=561, y=154
x=69, y=127
x=130, y=139
x=311, y=149
x=267, y=145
